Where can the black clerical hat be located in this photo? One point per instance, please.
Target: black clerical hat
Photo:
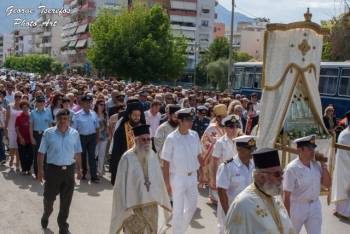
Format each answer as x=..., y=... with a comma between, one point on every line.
x=141, y=130
x=266, y=158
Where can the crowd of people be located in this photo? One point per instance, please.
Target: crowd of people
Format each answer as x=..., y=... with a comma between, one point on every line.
x=159, y=144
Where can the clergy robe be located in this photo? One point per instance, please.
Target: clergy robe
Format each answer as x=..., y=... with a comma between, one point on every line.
x=253, y=212
x=130, y=193
x=341, y=176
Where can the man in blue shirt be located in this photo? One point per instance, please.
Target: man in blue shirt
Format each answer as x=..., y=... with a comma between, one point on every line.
x=62, y=147
x=86, y=122
x=40, y=120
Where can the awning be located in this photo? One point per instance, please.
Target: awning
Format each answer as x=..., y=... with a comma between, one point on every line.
x=81, y=43
x=82, y=28
x=72, y=43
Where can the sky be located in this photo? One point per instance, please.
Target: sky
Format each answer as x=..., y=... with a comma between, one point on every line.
x=286, y=11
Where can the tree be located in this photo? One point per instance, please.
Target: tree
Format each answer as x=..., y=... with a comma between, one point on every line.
x=35, y=63
x=218, y=50
x=137, y=45
x=217, y=73
x=336, y=46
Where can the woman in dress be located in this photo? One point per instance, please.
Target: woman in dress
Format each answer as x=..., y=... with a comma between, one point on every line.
x=12, y=111
x=56, y=105
x=100, y=109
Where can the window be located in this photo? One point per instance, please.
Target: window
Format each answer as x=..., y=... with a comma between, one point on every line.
x=205, y=11
x=249, y=77
x=258, y=78
x=344, y=87
x=328, y=81
x=205, y=23
x=239, y=74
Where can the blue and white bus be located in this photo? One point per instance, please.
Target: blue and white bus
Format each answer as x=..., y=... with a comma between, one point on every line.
x=334, y=85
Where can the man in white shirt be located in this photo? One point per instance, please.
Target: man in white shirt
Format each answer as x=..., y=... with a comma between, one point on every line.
x=234, y=175
x=181, y=157
x=153, y=117
x=301, y=187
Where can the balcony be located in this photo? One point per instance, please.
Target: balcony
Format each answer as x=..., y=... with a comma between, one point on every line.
x=45, y=45
x=182, y=12
x=82, y=28
x=87, y=6
x=73, y=3
x=47, y=34
x=67, y=2
x=181, y=5
x=69, y=52
x=84, y=36
x=87, y=20
x=70, y=25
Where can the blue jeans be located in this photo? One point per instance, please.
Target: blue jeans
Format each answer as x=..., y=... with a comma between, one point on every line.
x=2, y=147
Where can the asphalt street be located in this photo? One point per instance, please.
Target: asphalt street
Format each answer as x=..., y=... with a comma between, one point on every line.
x=21, y=209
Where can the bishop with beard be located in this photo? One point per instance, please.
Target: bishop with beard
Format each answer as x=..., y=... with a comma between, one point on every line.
x=259, y=208
x=139, y=191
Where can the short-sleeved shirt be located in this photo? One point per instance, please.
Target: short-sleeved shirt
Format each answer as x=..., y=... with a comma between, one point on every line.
x=86, y=123
x=303, y=182
x=40, y=120
x=181, y=151
x=22, y=123
x=234, y=176
x=224, y=149
x=60, y=147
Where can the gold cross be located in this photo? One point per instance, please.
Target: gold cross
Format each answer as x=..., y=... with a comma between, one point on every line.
x=147, y=183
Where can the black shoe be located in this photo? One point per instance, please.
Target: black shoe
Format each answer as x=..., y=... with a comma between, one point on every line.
x=95, y=180
x=64, y=231
x=44, y=222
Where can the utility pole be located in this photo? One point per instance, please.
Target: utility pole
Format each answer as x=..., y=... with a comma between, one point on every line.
x=230, y=67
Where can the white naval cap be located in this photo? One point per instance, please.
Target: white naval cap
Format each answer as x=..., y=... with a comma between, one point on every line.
x=245, y=141
x=306, y=141
x=185, y=113
x=202, y=108
x=230, y=120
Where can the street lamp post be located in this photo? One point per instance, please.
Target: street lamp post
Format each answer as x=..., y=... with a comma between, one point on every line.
x=195, y=63
x=230, y=67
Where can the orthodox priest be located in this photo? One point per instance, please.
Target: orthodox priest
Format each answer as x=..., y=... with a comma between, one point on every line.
x=123, y=138
x=257, y=209
x=139, y=190
x=341, y=178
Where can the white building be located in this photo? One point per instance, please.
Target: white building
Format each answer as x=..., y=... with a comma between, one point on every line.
x=249, y=37
x=75, y=33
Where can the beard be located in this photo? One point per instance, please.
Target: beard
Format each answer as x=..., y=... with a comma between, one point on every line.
x=272, y=189
x=143, y=150
x=172, y=123
x=133, y=123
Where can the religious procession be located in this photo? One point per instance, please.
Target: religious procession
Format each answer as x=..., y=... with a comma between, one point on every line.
x=263, y=161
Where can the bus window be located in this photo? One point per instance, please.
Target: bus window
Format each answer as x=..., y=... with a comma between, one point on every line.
x=328, y=81
x=239, y=74
x=258, y=78
x=344, y=88
x=249, y=77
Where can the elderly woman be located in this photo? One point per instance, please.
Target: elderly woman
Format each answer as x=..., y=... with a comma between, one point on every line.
x=329, y=119
x=25, y=147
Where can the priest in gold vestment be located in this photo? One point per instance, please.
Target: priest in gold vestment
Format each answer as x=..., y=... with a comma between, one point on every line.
x=140, y=199
x=258, y=208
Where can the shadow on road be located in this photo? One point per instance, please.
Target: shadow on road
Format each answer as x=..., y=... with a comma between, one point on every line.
x=23, y=181
x=27, y=182
x=93, y=189
x=194, y=223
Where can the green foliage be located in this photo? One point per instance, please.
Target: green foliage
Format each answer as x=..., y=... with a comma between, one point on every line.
x=336, y=45
x=213, y=58
x=41, y=64
x=217, y=73
x=137, y=45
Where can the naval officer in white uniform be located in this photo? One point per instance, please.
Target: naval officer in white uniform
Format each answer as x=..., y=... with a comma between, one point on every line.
x=301, y=187
x=181, y=160
x=234, y=176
